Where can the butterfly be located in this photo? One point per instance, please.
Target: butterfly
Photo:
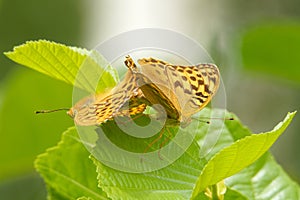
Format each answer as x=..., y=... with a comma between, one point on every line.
x=181, y=90
x=122, y=100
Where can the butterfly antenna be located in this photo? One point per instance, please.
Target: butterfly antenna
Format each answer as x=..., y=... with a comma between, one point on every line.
x=50, y=111
x=208, y=122
x=228, y=118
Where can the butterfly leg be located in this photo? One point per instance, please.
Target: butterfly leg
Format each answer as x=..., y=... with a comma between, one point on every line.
x=153, y=142
x=163, y=143
x=130, y=118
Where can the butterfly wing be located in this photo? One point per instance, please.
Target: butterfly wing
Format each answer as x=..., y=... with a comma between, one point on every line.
x=157, y=87
x=120, y=101
x=185, y=89
x=151, y=89
x=200, y=83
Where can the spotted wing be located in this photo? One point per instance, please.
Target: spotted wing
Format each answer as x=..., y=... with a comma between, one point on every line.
x=152, y=89
x=120, y=101
x=200, y=83
x=187, y=88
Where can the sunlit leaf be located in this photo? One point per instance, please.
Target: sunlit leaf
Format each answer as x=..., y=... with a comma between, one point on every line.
x=265, y=179
x=178, y=180
x=72, y=65
x=239, y=155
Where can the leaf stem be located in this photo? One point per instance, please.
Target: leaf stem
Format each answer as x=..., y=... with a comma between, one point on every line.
x=214, y=192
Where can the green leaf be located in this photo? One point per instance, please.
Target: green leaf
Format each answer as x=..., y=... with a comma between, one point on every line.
x=68, y=171
x=265, y=179
x=45, y=95
x=72, y=65
x=239, y=155
x=85, y=198
x=233, y=194
x=65, y=174
x=52, y=194
x=177, y=181
x=273, y=49
x=173, y=182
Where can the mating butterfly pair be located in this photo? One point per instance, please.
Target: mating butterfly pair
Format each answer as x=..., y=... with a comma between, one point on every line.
x=180, y=90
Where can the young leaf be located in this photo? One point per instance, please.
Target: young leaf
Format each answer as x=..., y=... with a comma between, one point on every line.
x=68, y=171
x=239, y=155
x=265, y=179
x=72, y=65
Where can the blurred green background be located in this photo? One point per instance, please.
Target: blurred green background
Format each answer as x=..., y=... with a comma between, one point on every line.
x=255, y=43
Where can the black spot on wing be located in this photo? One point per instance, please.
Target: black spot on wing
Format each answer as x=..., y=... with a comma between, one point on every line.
x=194, y=103
x=161, y=66
x=194, y=87
x=200, y=81
x=187, y=91
x=193, y=78
x=178, y=84
x=184, y=78
x=199, y=99
x=158, y=72
x=213, y=79
x=206, y=89
x=201, y=95
x=189, y=71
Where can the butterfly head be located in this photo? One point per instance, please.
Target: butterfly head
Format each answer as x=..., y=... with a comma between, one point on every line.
x=72, y=112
